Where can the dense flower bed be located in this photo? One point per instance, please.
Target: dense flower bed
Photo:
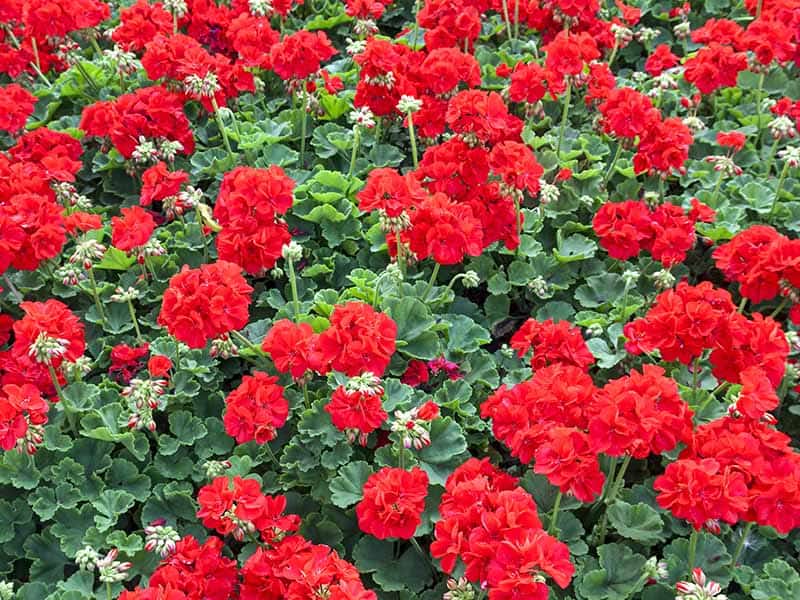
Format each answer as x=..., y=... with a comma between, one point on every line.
x=404, y=301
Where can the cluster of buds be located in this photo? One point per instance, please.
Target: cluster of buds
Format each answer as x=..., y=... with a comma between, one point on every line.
x=160, y=538
x=152, y=248
x=724, y=165
x=205, y=87
x=177, y=8
x=365, y=28
x=782, y=127
x=260, y=8
x=121, y=294
x=151, y=151
x=694, y=123
x=386, y=80
x=408, y=104
x=548, y=192
x=108, y=567
x=68, y=51
x=292, y=251
x=216, y=468
x=186, y=200
x=70, y=274
x=125, y=63
x=791, y=155
x=34, y=437
x=460, y=589
x=144, y=396
x=509, y=191
x=87, y=252
x=111, y=570
x=630, y=277
x=67, y=195
x=77, y=369
x=594, y=330
x=470, y=279
x=656, y=569
x=665, y=81
x=538, y=285
x=366, y=383
x=700, y=588
x=393, y=224
x=645, y=35
x=362, y=117
x=354, y=47
x=622, y=35
x=6, y=590
x=223, y=347
x=414, y=426
x=663, y=279
x=45, y=348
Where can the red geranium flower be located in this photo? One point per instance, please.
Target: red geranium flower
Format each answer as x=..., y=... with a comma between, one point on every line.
x=393, y=502
x=256, y=409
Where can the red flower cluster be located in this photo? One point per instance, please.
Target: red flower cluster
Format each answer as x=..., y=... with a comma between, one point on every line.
x=133, y=229
x=547, y=418
x=56, y=154
x=16, y=105
x=150, y=113
x=639, y=414
x=50, y=333
x=356, y=412
x=127, y=361
x=296, y=569
x=552, y=343
x=240, y=508
x=290, y=346
x=160, y=184
x=714, y=67
x=204, y=303
x=393, y=502
x=763, y=262
x=32, y=227
x=256, y=409
x=141, y=23
x=491, y=524
x=686, y=321
x=248, y=206
x=359, y=340
x=301, y=54
x=735, y=469
x=23, y=413
x=183, y=59
x=192, y=572
x=666, y=232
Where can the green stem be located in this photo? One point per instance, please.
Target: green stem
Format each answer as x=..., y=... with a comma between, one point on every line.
x=516, y=20
x=413, y=138
x=613, y=52
x=620, y=481
x=306, y=400
x=612, y=471
x=96, y=46
x=773, y=150
x=758, y=8
x=695, y=375
x=246, y=342
x=740, y=545
x=717, y=187
x=135, y=321
x=554, y=515
x=784, y=173
x=742, y=305
x=87, y=77
x=303, y=131
x=416, y=25
x=221, y=126
x=564, y=115
x=506, y=19
x=401, y=259
x=354, y=153
x=174, y=22
x=692, y=550
x=779, y=308
x=97, y=303
x=108, y=590
x=293, y=284
x=613, y=164
x=431, y=281
x=758, y=106
x=68, y=413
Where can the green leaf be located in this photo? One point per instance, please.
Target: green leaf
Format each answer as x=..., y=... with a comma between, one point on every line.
x=48, y=559
x=186, y=427
x=347, y=488
x=711, y=555
x=111, y=504
x=445, y=451
x=619, y=575
x=638, y=522
x=116, y=260
x=574, y=248
x=415, y=325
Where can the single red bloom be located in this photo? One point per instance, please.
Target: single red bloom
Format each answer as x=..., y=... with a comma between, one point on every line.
x=393, y=502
